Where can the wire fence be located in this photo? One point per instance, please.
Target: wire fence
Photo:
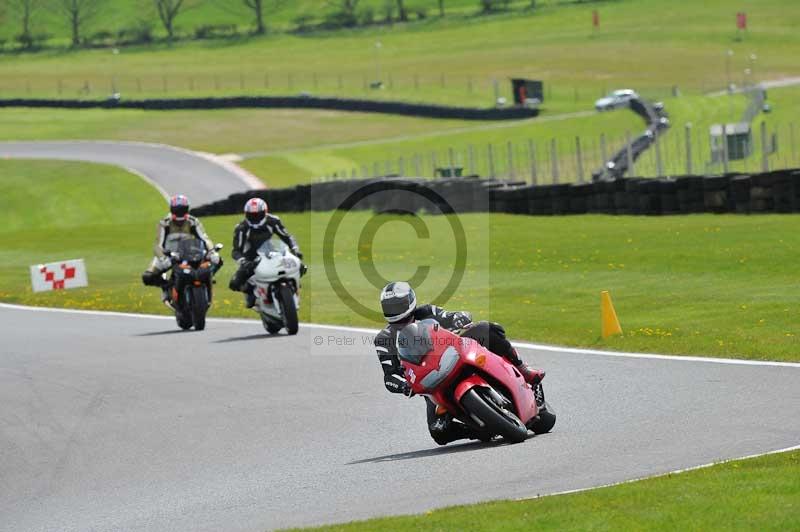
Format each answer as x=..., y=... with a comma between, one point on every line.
x=675, y=152
x=457, y=86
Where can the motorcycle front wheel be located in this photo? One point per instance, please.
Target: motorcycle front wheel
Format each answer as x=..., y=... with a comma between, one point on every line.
x=289, y=309
x=199, y=307
x=478, y=403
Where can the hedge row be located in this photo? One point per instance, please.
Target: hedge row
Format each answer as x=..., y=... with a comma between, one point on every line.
x=777, y=191
x=284, y=102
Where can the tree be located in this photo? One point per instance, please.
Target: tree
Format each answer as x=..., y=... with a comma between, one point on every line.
x=78, y=12
x=401, y=11
x=25, y=10
x=441, y=8
x=168, y=11
x=348, y=7
x=258, y=7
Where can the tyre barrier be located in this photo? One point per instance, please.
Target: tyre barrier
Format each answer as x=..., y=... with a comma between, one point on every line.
x=284, y=102
x=777, y=191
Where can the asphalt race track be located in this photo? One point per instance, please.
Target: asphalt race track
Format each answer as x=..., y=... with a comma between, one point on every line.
x=174, y=170
x=114, y=422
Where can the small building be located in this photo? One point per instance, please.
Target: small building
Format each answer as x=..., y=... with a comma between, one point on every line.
x=739, y=141
x=527, y=92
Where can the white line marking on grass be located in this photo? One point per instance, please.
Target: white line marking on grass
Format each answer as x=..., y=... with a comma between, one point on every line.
x=365, y=330
x=659, y=475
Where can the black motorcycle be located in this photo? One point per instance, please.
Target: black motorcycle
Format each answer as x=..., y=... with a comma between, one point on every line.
x=190, y=291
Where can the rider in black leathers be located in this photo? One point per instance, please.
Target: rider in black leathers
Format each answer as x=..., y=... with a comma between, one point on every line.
x=257, y=227
x=400, y=308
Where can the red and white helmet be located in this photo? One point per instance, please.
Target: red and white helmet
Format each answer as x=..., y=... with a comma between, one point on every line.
x=255, y=212
x=179, y=207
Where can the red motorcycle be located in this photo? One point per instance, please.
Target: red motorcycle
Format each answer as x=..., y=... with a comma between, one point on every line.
x=477, y=387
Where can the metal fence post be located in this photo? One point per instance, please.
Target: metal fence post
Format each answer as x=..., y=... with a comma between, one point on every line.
x=451, y=157
x=510, y=148
x=764, y=152
x=724, y=148
x=364, y=171
x=659, y=163
x=433, y=163
x=532, y=159
x=490, y=155
x=791, y=142
x=471, y=156
x=401, y=165
x=629, y=154
x=417, y=170
x=578, y=159
x=688, y=130
x=603, y=150
x=554, y=159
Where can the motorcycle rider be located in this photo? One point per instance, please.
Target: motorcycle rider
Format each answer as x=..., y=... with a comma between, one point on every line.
x=257, y=227
x=177, y=221
x=399, y=304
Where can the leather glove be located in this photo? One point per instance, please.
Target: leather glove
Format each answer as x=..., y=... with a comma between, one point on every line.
x=407, y=391
x=214, y=257
x=461, y=320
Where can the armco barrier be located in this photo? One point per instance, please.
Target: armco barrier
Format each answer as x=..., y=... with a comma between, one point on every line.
x=777, y=191
x=284, y=102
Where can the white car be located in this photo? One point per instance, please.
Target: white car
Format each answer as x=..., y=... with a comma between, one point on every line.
x=620, y=98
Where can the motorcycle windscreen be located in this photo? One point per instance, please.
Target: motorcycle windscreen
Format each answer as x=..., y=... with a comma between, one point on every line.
x=272, y=246
x=414, y=341
x=192, y=250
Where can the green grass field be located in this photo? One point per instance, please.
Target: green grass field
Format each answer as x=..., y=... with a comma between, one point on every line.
x=647, y=44
x=755, y=494
x=286, y=147
x=703, y=285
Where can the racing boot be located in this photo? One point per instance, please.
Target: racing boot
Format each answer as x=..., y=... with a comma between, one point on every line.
x=531, y=375
x=249, y=297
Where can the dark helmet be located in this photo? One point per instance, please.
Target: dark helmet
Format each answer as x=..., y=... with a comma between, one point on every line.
x=179, y=208
x=398, y=301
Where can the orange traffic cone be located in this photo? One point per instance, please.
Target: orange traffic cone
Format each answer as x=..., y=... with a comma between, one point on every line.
x=608, y=316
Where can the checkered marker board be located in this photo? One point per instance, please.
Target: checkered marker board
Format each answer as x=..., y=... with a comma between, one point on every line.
x=59, y=275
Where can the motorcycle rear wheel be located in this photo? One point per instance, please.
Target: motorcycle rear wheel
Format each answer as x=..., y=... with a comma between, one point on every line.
x=286, y=300
x=497, y=420
x=199, y=305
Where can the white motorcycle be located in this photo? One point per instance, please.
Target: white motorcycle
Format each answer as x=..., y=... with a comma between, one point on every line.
x=276, y=283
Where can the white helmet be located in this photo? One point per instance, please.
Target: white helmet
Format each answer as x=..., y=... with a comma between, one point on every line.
x=255, y=212
x=398, y=301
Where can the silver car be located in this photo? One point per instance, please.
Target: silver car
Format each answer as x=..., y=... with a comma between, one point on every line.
x=619, y=98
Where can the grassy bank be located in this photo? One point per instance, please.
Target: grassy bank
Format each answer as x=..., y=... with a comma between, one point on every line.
x=755, y=494
x=706, y=285
x=675, y=44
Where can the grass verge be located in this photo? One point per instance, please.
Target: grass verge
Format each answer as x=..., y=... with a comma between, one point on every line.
x=704, y=285
x=754, y=494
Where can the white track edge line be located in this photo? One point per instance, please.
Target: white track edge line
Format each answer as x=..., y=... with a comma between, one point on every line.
x=364, y=330
x=144, y=177
x=659, y=475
